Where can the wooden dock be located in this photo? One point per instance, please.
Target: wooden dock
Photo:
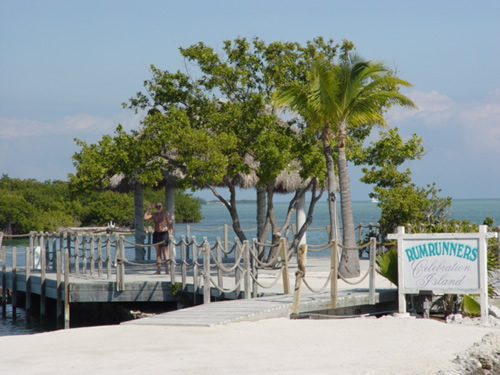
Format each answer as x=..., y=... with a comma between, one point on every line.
x=230, y=289
x=232, y=311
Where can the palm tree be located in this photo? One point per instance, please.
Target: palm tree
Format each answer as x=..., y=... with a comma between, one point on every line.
x=335, y=100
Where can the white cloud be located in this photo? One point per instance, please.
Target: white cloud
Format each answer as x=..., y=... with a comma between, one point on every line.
x=481, y=124
x=477, y=123
x=16, y=128
x=76, y=125
x=433, y=109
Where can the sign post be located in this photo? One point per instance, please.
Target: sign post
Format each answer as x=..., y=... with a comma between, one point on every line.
x=444, y=263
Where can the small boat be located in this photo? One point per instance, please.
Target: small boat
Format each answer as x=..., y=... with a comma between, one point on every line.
x=374, y=200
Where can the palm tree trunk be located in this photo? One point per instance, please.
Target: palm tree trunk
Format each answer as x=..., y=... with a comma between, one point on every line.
x=332, y=198
x=349, y=262
x=261, y=217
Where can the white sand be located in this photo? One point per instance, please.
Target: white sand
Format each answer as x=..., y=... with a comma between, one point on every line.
x=276, y=346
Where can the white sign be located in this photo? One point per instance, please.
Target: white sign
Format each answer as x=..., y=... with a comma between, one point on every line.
x=454, y=263
x=441, y=264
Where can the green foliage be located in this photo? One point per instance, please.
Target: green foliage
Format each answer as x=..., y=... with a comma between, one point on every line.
x=470, y=306
x=29, y=205
x=100, y=208
x=187, y=208
x=221, y=121
x=388, y=265
x=488, y=221
x=401, y=201
x=16, y=214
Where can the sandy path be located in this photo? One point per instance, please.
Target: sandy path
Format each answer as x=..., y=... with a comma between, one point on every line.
x=276, y=346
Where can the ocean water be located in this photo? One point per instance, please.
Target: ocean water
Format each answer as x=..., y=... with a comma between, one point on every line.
x=216, y=215
x=364, y=212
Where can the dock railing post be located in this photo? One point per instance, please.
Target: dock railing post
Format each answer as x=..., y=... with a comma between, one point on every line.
x=120, y=265
x=4, y=281
x=43, y=280
x=284, y=264
x=237, y=271
x=150, y=239
x=373, y=251
x=206, y=271
x=246, y=260
x=28, y=257
x=334, y=272
x=171, y=259
x=14, y=282
x=66, y=287
x=220, y=274
x=59, y=268
x=299, y=275
x=183, y=263
x=109, y=256
x=195, y=271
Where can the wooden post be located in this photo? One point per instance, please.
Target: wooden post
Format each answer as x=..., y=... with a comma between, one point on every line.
x=246, y=261
x=4, y=281
x=68, y=243
x=220, y=275
x=99, y=255
x=43, y=292
x=299, y=275
x=14, y=282
x=150, y=239
x=59, y=309
x=84, y=254
x=183, y=262
x=253, y=268
x=195, y=271
x=171, y=257
x=108, y=256
x=77, y=250
x=66, y=287
x=284, y=265
x=401, y=295
x=28, y=277
x=237, y=272
x=373, y=250
x=483, y=273
x=92, y=251
x=334, y=272
x=206, y=271
x=120, y=266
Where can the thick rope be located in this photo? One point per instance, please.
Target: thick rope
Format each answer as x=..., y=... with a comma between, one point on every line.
x=222, y=290
x=276, y=279
x=324, y=246
x=359, y=281
x=317, y=290
x=271, y=263
x=224, y=269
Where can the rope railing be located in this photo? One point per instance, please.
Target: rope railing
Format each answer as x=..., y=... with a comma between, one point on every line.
x=333, y=275
x=238, y=266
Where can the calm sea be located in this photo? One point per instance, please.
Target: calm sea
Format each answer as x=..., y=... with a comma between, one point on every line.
x=216, y=215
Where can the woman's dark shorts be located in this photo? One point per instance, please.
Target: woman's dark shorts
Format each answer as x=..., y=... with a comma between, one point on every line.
x=160, y=236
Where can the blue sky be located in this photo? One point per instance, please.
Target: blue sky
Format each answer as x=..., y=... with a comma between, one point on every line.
x=66, y=67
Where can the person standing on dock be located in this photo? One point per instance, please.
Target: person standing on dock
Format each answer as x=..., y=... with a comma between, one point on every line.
x=161, y=236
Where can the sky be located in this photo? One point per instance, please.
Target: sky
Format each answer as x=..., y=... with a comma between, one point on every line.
x=66, y=67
